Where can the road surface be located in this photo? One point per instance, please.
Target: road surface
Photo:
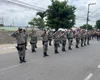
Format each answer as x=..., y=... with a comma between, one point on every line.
x=78, y=64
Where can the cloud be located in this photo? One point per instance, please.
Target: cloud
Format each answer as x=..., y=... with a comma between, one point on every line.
x=22, y=16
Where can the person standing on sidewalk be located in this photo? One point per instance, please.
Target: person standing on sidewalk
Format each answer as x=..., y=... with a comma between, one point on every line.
x=45, y=43
x=20, y=44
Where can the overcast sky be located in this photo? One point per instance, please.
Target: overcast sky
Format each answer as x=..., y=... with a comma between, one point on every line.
x=22, y=15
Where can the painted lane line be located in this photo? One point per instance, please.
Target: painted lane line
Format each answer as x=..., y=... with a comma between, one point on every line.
x=14, y=66
x=89, y=76
x=4, y=69
x=99, y=66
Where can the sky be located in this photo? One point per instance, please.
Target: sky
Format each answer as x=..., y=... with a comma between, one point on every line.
x=20, y=16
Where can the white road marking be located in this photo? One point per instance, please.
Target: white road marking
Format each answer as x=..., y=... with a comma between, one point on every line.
x=14, y=66
x=89, y=76
x=99, y=66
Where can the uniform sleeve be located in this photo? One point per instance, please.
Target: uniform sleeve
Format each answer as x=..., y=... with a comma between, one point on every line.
x=14, y=34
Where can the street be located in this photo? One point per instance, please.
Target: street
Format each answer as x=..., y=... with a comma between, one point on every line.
x=78, y=64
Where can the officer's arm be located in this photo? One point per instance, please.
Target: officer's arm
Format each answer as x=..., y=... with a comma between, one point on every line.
x=14, y=34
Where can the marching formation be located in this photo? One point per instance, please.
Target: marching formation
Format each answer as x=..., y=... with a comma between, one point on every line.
x=56, y=38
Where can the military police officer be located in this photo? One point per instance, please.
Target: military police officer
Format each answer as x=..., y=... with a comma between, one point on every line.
x=56, y=41
x=70, y=38
x=50, y=34
x=20, y=44
x=77, y=36
x=45, y=43
x=32, y=35
x=63, y=40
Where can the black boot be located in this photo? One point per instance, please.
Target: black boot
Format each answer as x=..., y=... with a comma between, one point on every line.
x=45, y=54
x=21, y=60
x=24, y=59
x=70, y=48
x=35, y=46
x=63, y=50
x=50, y=44
x=77, y=46
x=56, y=52
x=33, y=50
x=82, y=45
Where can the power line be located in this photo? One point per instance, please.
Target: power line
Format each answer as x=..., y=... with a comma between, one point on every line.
x=29, y=4
x=22, y=5
x=94, y=11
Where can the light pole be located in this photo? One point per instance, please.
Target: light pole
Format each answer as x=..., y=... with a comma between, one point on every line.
x=87, y=19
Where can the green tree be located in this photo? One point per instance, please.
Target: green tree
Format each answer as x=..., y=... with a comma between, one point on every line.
x=41, y=14
x=89, y=27
x=60, y=15
x=97, y=24
x=37, y=22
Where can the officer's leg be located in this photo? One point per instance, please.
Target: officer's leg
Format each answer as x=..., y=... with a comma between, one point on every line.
x=77, y=42
x=81, y=42
x=25, y=45
x=23, y=51
x=36, y=45
x=49, y=42
x=63, y=45
x=45, y=46
x=56, y=45
x=70, y=43
x=20, y=57
x=85, y=42
x=59, y=43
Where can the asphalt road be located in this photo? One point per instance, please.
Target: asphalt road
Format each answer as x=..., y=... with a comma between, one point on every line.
x=78, y=64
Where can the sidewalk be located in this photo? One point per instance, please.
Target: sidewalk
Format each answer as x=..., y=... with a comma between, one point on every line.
x=8, y=48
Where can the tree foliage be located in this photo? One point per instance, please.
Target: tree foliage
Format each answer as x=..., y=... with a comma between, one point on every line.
x=41, y=14
x=60, y=15
x=98, y=24
x=37, y=22
x=89, y=27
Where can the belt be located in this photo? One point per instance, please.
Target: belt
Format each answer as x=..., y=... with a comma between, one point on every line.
x=22, y=44
x=45, y=41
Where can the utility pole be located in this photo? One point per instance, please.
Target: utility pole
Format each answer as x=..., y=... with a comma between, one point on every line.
x=87, y=19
